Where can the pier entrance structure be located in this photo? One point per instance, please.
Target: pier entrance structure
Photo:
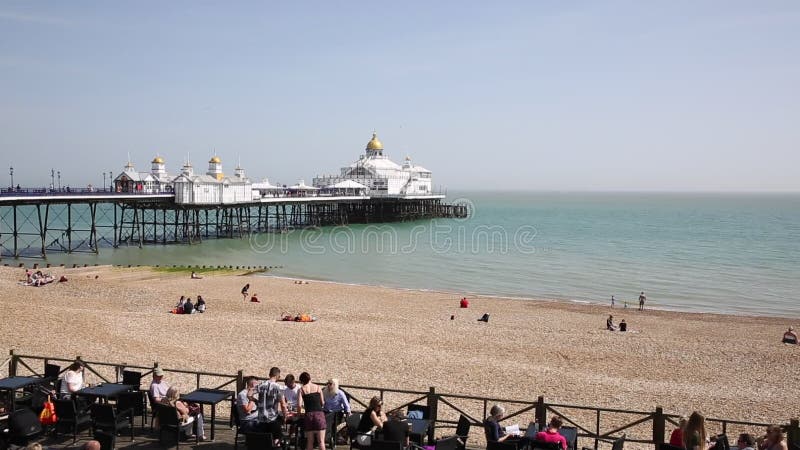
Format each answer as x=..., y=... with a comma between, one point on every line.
x=36, y=222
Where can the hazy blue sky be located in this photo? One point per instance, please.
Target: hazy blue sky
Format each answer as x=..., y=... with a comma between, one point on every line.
x=613, y=95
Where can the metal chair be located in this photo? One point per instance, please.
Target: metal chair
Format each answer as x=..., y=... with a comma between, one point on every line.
x=425, y=410
x=68, y=415
x=571, y=435
x=618, y=444
x=258, y=441
x=169, y=420
x=105, y=418
x=135, y=402
x=132, y=378
x=23, y=425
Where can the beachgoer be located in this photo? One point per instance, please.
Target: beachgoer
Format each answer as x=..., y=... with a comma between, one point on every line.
x=158, y=387
x=186, y=413
x=272, y=406
x=201, y=304
x=694, y=435
x=623, y=326
x=188, y=307
x=254, y=299
x=244, y=291
x=311, y=401
x=775, y=439
x=179, y=306
x=610, y=324
x=491, y=426
x=551, y=433
x=484, y=318
x=642, y=299
x=790, y=337
x=746, y=441
x=195, y=276
x=676, y=438
x=612, y=301
x=72, y=381
x=246, y=402
x=373, y=417
x=464, y=303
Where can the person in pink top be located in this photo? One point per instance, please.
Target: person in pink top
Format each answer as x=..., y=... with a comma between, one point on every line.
x=551, y=433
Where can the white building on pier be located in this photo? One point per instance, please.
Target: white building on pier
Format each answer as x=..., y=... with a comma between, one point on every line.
x=382, y=176
x=157, y=181
x=213, y=187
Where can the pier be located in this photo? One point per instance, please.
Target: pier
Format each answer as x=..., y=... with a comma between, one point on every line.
x=35, y=222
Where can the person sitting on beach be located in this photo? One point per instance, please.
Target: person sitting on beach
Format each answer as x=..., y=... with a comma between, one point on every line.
x=676, y=438
x=790, y=337
x=373, y=417
x=610, y=324
x=195, y=276
x=551, y=434
x=186, y=412
x=254, y=298
x=188, y=307
x=179, y=306
x=158, y=387
x=622, y=325
x=246, y=402
x=201, y=304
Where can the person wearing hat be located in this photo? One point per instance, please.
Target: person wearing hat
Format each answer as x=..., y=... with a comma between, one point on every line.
x=158, y=387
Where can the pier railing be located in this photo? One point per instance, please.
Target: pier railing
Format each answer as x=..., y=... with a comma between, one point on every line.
x=596, y=426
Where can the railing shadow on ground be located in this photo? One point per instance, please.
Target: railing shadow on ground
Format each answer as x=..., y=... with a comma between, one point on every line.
x=597, y=426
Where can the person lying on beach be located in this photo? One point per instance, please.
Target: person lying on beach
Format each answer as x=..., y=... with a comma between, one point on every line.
x=610, y=324
x=195, y=276
x=790, y=337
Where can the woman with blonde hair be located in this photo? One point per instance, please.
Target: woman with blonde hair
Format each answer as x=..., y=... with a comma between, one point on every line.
x=775, y=439
x=694, y=435
x=187, y=413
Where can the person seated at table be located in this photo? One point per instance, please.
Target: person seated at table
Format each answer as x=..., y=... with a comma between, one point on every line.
x=790, y=337
x=373, y=417
x=188, y=307
x=158, y=387
x=186, y=412
x=676, y=438
x=310, y=401
x=72, y=381
x=551, y=434
x=201, y=304
x=396, y=430
x=246, y=401
x=492, y=428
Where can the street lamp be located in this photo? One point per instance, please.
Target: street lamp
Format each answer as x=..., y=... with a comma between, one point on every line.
x=11, y=172
x=52, y=179
x=110, y=181
x=59, y=180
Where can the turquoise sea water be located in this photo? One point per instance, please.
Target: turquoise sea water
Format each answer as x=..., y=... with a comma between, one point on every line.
x=734, y=253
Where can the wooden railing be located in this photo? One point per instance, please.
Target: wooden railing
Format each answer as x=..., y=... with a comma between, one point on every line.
x=598, y=425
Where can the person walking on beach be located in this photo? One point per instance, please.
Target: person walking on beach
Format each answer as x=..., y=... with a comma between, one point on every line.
x=642, y=299
x=612, y=301
x=244, y=291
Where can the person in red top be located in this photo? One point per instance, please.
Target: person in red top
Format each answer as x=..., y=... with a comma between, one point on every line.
x=676, y=438
x=551, y=433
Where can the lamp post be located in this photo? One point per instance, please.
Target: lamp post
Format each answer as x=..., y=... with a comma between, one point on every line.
x=59, y=180
x=11, y=172
x=110, y=181
x=104, y=181
x=52, y=179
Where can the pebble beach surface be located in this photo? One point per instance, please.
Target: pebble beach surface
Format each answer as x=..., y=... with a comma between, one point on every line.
x=726, y=366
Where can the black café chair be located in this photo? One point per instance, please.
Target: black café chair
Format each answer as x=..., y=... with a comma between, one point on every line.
x=450, y=443
x=542, y=445
x=495, y=445
x=425, y=410
x=23, y=425
x=69, y=416
x=52, y=371
x=105, y=418
x=351, y=423
x=134, y=402
x=571, y=435
x=258, y=441
x=237, y=422
x=132, y=378
x=168, y=420
x=462, y=431
x=618, y=444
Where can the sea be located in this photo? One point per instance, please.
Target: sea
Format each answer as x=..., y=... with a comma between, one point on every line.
x=723, y=253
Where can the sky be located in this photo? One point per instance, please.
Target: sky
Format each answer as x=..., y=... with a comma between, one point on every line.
x=529, y=95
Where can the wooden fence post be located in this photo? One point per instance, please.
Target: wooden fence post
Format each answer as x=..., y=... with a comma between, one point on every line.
x=793, y=433
x=541, y=411
x=239, y=381
x=433, y=403
x=12, y=364
x=659, y=426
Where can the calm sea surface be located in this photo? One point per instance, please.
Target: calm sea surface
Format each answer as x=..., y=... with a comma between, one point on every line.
x=735, y=253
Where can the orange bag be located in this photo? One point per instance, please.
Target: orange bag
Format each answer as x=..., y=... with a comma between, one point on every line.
x=48, y=414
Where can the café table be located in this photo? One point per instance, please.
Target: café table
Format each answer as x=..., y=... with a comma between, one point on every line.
x=210, y=397
x=12, y=384
x=103, y=391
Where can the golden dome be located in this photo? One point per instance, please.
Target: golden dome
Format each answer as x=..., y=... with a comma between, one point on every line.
x=374, y=143
x=158, y=160
x=215, y=160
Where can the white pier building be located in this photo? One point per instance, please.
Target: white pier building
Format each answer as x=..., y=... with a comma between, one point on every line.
x=381, y=176
x=213, y=187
